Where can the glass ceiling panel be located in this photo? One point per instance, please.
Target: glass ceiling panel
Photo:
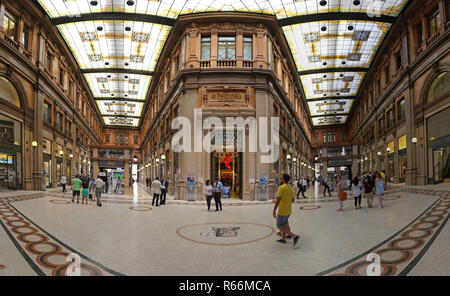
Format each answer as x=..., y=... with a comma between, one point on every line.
x=173, y=8
x=335, y=44
x=335, y=84
x=329, y=120
x=122, y=108
x=118, y=85
x=121, y=121
x=332, y=106
x=130, y=45
x=115, y=44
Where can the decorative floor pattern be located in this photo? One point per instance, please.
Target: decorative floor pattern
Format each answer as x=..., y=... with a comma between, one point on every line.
x=213, y=234
x=45, y=254
x=401, y=252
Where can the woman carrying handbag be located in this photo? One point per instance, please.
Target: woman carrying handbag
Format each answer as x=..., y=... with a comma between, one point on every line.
x=342, y=195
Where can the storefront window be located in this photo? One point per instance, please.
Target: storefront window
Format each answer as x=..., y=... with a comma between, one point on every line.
x=438, y=135
x=10, y=153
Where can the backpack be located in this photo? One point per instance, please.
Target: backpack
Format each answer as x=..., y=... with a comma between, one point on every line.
x=368, y=185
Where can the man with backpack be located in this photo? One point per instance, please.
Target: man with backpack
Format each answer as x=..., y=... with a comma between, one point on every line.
x=368, y=189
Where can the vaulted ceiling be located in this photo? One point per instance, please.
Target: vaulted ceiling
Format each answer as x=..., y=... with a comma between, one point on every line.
x=117, y=44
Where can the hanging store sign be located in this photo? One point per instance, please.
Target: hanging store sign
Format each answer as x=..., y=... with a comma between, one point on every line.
x=112, y=164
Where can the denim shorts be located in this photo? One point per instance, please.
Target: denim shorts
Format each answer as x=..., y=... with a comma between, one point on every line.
x=282, y=221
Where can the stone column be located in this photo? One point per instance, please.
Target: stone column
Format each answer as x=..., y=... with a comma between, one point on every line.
x=38, y=137
x=264, y=108
x=95, y=163
x=355, y=169
x=239, y=47
x=214, y=46
x=421, y=154
x=411, y=169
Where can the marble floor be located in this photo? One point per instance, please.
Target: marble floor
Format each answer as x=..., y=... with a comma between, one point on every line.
x=127, y=236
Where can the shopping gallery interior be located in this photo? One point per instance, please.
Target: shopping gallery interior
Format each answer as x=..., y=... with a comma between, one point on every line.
x=139, y=95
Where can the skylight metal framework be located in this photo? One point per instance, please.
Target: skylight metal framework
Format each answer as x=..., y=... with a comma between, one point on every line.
x=117, y=44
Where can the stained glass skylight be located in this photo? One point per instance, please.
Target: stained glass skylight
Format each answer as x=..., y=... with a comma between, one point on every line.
x=118, y=85
x=121, y=108
x=119, y=55
x=335, y=44
x=173, y=8
x=330, y=107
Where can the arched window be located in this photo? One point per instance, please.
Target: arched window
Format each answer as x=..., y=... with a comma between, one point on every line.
x=440, y=88
x=8, y=92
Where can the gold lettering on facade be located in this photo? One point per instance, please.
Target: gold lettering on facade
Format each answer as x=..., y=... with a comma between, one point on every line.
x=226, y=97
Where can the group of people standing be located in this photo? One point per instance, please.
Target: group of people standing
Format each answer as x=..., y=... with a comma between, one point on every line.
x=89, y=189
x=369, y=185
x=159, y=189
x=214, y=190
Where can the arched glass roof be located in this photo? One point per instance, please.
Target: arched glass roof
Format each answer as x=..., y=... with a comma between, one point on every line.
x=117, y=44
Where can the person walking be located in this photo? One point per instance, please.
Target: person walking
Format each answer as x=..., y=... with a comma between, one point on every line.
x=299, y=187
x=76, y=187
x=217, y=191
x=107, y=184
x=339, y=191
x=379, y=189
x=85, y=191
x=156, y=187
x=98, y=189
x=304, y=185
x=285, y=198
x=63, y=182
x=164, y=188
x=208, y=194
x=368, y=189
x=357, y=192
x=91, y=190
x=114, y=184
x=326, y=185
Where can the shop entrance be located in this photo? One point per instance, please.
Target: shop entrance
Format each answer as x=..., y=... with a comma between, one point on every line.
x=8, y=171
x=227, y=167
x=441, y=165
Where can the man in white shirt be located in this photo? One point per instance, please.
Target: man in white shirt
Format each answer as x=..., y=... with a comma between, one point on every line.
x=304, y=184
x=156, y=188
x=217, y=191
x=63, y=183
x=99, y=187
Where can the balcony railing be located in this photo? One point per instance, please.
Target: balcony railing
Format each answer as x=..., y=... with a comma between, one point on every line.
x=226, y=63
x=248, y=64
x=205, y=64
